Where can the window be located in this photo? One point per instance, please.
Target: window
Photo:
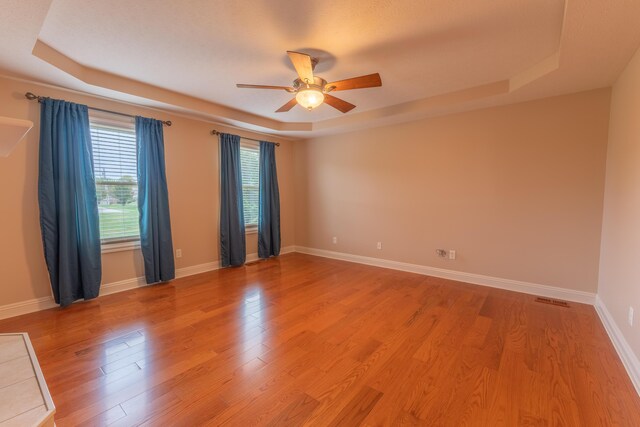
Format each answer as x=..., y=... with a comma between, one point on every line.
x=249, y=160
x=115, y=167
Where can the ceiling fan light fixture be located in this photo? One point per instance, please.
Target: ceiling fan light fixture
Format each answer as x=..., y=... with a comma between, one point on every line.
x=311, y=91
x=310, y=97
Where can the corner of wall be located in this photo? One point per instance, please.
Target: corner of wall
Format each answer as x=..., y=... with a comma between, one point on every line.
x=628, y=357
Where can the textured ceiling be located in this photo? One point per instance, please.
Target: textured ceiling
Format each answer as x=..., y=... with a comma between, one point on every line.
x=421, y=49
x=202, y=48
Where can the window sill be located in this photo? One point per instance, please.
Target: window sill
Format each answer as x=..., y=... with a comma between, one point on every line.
x=251, y=230
x=120, y=246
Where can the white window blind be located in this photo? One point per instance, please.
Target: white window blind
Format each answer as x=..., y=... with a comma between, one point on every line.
x=115, y=168
x=249, y=161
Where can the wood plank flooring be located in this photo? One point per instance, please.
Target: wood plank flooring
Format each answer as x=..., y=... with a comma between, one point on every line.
x=301, y=340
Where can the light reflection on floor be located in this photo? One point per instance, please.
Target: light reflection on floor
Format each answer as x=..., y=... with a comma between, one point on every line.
x=127, y=361
x=124, y=362
x=252, y=318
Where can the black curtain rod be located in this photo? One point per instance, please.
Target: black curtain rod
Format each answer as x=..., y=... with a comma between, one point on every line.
x=215, y=132
x=30, y=96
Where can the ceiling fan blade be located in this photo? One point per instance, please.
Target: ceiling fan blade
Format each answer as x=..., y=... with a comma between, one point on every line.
x=338, y=103
x=370, y=80
x=244, y=86
x=288, y=106
x=303, y=65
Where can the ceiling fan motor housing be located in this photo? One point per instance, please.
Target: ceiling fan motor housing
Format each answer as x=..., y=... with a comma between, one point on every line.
x=318, y=83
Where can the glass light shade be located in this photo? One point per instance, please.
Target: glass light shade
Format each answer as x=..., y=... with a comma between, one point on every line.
x=310, y=98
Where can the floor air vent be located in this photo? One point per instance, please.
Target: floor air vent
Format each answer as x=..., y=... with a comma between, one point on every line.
x=552, y=301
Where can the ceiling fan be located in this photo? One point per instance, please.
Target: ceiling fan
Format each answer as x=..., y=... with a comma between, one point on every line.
x=311, y=91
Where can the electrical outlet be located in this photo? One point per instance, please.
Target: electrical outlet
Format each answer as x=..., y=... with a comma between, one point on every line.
x=379, y=246
x=452, y=254
x=178, y=253
x=335, y=240
x=630, y=316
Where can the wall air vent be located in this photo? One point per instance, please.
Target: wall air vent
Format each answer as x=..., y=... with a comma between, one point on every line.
x=552, y=301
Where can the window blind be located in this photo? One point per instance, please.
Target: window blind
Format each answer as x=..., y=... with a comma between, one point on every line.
x=115, y=168
x=249, y=166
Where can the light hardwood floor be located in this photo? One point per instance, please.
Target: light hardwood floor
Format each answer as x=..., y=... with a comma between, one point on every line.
x=301, y=340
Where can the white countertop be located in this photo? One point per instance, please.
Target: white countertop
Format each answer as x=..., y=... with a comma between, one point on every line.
x=24, y=397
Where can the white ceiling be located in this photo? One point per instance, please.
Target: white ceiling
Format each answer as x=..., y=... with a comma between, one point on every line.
x=421, y=49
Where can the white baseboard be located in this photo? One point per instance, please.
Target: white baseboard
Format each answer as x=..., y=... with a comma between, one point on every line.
x=285, y=250
x=252, y=257
x=476, y=279
x=37, y=304
x=197, y=269
x=122, y=285
x=629, y=359
x=29, y=306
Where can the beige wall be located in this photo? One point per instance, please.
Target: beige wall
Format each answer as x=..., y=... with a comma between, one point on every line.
x=192, y=173
x=619, y=286
x=516, y=190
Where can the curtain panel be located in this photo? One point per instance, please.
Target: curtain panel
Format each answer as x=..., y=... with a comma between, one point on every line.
x=67, y=200
x=269, y=207
x=153, y=202
x=232, y=232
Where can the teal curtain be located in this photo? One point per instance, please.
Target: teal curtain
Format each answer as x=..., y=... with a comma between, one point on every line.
x=232, y=238
x=68, y=203
x=153, y=203
x=269, y=208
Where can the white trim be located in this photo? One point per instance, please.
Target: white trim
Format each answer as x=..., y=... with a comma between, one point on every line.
x=197, y=269
x=476, y=279
x=24, y=307
x=629, y=359
x=42, y=383
x=44, y=303
x=122, y=285
x=286, y=250
x=156, y=109
x=129, y=245
x=44, y=417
